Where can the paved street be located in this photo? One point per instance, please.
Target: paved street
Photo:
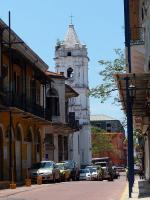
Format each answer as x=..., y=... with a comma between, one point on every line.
x=82, y=190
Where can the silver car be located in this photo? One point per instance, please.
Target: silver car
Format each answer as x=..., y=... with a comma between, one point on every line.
x=46, y=169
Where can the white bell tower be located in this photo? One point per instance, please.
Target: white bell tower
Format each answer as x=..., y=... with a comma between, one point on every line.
x=72, y=59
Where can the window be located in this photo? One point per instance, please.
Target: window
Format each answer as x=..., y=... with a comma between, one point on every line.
x=38, y=87
x=142, y=15
x=18, y=134
x=33, y=91
x=60, y=148
x=49, y=139
x=69, y=53
x=69, y=72
x=17, y=83
x=108, y=127
x=149, y=66
x=52, y=102
x=78, y=144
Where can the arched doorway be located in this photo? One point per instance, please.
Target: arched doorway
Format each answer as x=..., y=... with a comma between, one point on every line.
x=29, y=141
x=1, y=154
x=37, y=141
x=18, y=153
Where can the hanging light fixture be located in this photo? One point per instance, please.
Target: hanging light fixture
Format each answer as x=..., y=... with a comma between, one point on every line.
x=132, y=90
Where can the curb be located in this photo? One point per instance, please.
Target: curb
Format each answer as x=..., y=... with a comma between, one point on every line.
x=124, y=195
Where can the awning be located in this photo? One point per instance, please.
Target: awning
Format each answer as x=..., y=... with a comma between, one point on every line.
x=141, y=99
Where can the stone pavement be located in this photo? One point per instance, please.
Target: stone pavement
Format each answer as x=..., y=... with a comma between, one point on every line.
x=141, y=190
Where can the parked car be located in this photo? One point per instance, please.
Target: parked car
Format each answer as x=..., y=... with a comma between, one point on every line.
x=46, y=169
x=65, y=174
x=72, y=165
x=85, y=174
x=115, y=172
x=94, y=172
x=107, y=171
x=120, y=169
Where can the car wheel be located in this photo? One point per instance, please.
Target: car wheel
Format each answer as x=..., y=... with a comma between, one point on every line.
x=110, y=179
x=58, y=178
x=54, y=179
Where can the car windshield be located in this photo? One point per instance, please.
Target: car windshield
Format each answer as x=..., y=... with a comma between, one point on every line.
x=41, y=165
x=69, y=164
x=92, y=170
x=84, y=171
x=61, y=166
x=102, y=164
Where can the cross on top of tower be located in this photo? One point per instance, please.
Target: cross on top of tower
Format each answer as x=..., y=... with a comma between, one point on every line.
x=71, y=18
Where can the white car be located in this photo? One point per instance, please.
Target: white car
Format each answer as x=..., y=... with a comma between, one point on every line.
x=46, y=169
x=94, y=173
x=85, y=174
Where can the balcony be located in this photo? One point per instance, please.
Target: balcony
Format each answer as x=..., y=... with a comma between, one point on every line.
x=22, y=103
x=137, y=36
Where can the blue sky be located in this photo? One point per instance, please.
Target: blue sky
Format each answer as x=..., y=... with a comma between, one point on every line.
x=99, y=24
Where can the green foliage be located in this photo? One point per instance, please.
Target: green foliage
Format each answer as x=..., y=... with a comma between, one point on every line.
x=95, y=129
x=101, y=142
x=108, y=86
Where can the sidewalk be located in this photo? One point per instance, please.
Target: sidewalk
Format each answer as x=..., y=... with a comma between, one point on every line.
x=141, y=190
x=5, y=193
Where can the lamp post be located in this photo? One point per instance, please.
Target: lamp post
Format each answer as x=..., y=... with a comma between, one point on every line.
x=130, y=89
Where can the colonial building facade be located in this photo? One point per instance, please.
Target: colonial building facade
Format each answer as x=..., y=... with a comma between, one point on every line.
x=71, y=58
x=107, y=123
x=34, y=123
x=138, y=75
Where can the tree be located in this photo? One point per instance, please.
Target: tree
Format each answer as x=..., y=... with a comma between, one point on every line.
x=108, y=86
x=101, y=142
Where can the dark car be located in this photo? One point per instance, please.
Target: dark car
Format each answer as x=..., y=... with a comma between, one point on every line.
x=72, y=165
x=115, y=172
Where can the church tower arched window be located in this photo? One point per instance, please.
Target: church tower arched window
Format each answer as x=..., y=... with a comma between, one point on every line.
x=69, y=72
x=69, y=53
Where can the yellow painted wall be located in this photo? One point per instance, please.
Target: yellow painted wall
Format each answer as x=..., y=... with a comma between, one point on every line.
x=25, y=124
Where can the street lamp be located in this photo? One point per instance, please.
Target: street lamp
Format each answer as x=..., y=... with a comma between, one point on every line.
x=130, y=93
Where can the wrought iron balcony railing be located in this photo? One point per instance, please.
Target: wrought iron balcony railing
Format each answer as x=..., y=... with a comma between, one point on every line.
x=23, y=103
